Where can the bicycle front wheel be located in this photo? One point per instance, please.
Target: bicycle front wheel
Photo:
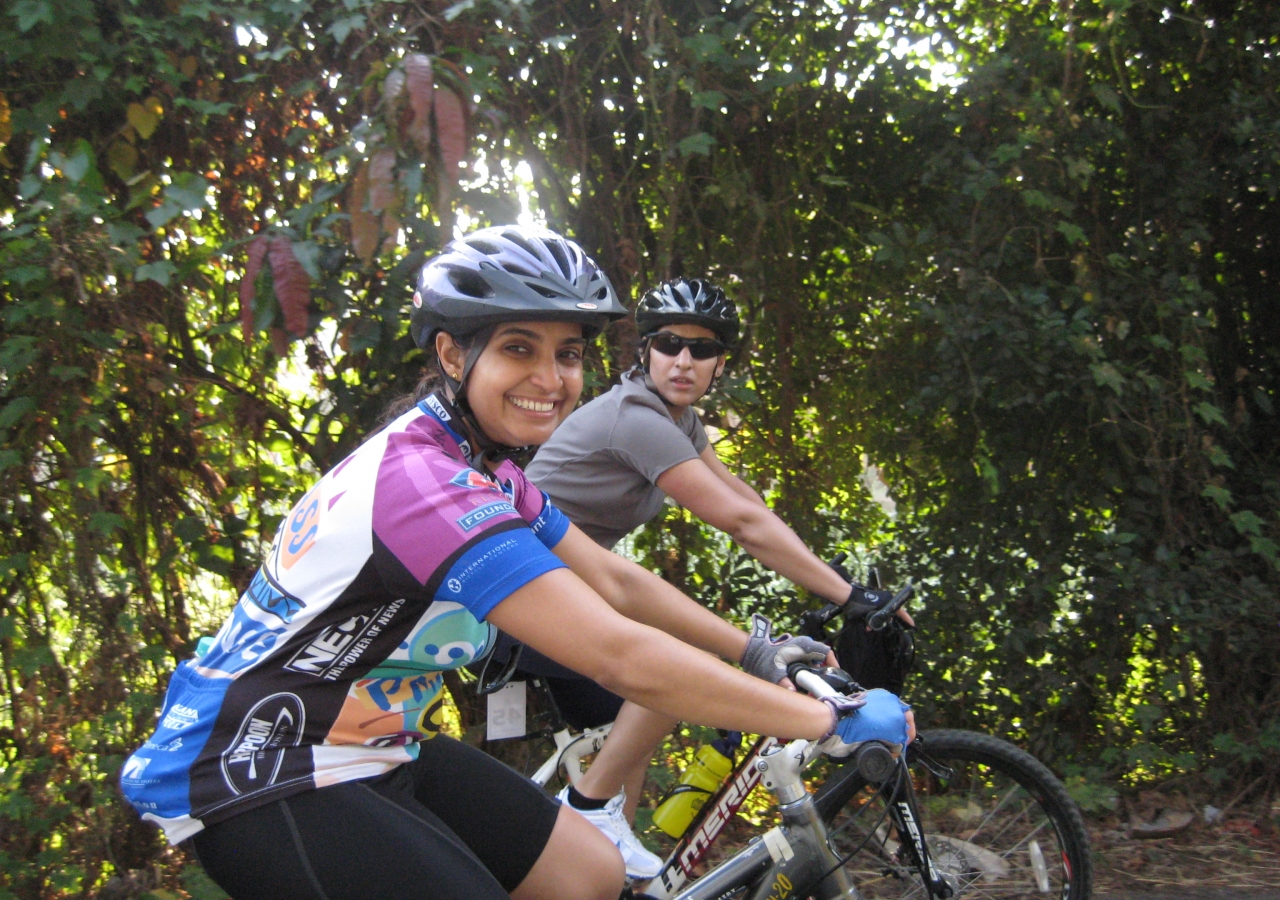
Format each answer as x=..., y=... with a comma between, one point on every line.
x=997, y=822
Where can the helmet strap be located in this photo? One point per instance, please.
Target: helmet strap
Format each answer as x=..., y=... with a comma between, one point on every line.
x=491, y=451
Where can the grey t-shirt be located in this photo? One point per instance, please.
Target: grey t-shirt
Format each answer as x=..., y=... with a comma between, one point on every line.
x=602, y=464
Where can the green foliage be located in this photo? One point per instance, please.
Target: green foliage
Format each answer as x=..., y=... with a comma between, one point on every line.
x=1020, y=256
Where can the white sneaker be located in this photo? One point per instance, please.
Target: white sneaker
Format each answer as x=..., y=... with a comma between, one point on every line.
x=641, y=864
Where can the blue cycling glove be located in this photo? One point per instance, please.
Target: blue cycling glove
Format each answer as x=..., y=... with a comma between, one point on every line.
x=880, y=718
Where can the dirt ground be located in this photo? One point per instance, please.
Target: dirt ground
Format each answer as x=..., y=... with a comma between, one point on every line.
x=1236, y=857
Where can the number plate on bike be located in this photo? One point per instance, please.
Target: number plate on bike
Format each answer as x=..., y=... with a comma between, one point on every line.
x=506, y=712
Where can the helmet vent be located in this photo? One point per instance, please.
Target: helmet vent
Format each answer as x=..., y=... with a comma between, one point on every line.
x=469, y=283
x=546, y=292
x=488, y=248
x=562, y=260
x=517, y=238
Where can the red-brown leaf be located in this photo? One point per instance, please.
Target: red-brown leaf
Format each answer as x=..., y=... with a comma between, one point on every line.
x=257, y=251
x=279, y=342
x=364, y=224
x=293, y=287
x=419, y=78
x=382, y=180
x=391, y=228
x=451, y=132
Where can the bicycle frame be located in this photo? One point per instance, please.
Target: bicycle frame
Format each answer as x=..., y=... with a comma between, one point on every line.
x=710, y=821
x=570, y=749
x=794, y=854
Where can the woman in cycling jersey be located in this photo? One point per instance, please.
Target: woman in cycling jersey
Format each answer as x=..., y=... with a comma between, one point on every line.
x=299, y=756
x=609, y=467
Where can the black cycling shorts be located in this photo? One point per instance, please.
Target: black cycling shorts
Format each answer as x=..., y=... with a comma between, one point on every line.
x=453, y=825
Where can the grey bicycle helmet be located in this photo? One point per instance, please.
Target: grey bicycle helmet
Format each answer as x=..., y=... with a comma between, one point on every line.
x=510, y=273
x=694, y=301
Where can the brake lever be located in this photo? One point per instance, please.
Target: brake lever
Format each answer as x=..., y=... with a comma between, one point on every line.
x=877, y=620
x=813, y=621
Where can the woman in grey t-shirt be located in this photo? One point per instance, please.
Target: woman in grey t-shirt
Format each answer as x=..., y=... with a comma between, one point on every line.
x=610, y=466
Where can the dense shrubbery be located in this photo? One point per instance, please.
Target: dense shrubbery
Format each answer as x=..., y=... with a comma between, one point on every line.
x=1037, y=288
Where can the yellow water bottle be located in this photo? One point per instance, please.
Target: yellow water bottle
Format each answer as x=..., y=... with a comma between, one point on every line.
x=711, y=766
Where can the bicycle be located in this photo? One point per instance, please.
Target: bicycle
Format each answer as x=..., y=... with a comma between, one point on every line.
x=956, y=814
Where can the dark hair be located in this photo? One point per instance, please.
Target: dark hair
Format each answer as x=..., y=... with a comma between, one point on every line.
x=432, y=379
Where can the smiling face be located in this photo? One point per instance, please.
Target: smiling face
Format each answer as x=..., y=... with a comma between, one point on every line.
x=525, y=382
x=681, y=380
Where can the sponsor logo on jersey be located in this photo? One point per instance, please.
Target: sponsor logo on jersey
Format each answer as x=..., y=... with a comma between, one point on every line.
x=460, y=578
x=298, y=533
x=265, y=595
x=482, y=514
x=544, y=517
x=438, y=408
x=241, y=643
x=253, y=758
x=337, y=647
x=172, y=746
x=179, y=717
x=471, y=479
x=134, y=766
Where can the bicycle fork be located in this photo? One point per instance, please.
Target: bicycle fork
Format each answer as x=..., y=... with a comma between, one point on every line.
x=905, y=814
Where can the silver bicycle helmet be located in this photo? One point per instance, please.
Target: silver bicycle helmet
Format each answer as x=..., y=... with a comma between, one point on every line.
x=506, y=274
x=510, y=273
x=693, y=301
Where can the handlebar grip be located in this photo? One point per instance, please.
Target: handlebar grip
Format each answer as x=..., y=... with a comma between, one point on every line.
x=822, y=682
x=808, y=680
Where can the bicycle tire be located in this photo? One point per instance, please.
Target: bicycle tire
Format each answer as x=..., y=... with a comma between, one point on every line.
x=999, y=826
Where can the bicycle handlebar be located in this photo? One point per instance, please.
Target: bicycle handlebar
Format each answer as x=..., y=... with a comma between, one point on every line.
x=876, y=614
x=821, y=682
x=809, y=681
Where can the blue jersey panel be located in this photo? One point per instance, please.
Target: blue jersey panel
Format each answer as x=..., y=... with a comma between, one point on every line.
x=550, y=525
x=493, y=568
x=156, y=778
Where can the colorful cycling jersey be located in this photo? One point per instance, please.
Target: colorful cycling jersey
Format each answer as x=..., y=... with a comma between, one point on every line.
x=329, y=667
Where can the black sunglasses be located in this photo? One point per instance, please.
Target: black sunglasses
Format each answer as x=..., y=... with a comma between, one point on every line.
x=669, y=344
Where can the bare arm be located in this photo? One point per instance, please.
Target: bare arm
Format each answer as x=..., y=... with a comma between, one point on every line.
x=559, y=615
x=711, y=492
x=640, y=595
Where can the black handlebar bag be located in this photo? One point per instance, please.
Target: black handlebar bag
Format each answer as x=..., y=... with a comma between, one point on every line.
x=876, y=659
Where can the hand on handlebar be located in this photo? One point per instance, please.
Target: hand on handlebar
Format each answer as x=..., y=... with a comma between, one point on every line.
x=881, y=717
x=767, y=656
